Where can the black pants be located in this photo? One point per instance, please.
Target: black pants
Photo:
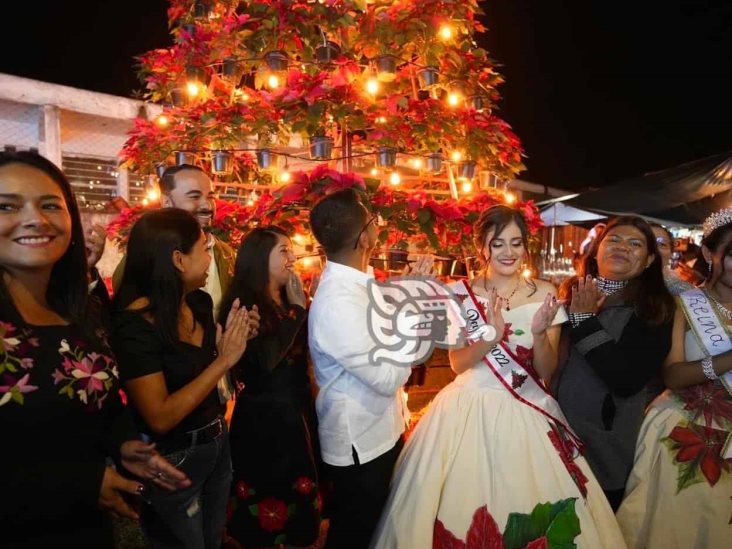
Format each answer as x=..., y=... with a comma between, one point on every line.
x=359, y=494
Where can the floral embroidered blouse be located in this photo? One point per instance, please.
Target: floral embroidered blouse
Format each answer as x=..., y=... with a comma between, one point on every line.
x=62, y=416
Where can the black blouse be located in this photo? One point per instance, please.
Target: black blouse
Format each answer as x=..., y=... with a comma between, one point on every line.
x=140, y=351
x=62, y=416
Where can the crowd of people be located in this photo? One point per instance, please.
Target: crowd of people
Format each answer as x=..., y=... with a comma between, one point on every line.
x=605, y=397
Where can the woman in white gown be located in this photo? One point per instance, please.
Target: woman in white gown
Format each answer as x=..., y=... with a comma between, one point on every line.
x=492, y=463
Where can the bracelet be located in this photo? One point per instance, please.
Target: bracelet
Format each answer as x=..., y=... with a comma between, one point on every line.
x=577, y=318
x=708, y=368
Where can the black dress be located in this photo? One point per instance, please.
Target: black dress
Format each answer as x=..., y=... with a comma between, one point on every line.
x=275, y=497
x=61, y=417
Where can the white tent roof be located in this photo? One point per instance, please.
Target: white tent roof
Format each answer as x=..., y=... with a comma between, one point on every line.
x=561, y=214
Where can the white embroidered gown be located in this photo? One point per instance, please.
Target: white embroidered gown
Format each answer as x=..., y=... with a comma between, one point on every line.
x=478, y=446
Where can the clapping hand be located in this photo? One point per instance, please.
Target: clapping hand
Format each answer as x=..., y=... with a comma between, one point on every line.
x=495, y=316
x=232, y=342
x=295, y=291
x=254, y=319
x=544, y=316
x=586, y=296
x=143, y=461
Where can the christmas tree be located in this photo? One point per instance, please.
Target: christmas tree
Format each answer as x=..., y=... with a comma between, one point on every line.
x=285, y=100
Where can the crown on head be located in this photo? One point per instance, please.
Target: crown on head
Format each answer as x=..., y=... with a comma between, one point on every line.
x=717, y=220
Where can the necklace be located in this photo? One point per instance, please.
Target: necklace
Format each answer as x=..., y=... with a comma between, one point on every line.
x=506, y=299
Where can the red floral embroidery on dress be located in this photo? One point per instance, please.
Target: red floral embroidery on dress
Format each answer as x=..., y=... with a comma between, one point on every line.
x=272, y=514
x=567, y=453
x=698, y=450
x=304, y=485
x=507, y=332
x=14, y=369
x=482, y=534
x=710, y=400
x=517, y=379
x=241, y=490
x=525, y=356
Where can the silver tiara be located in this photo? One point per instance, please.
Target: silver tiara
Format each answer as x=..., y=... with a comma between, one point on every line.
x=717, y=220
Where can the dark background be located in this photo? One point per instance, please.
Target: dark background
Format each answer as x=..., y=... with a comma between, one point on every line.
x=598, y=90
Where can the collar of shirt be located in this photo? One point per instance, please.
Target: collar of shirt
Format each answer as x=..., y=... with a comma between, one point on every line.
x=344, y=272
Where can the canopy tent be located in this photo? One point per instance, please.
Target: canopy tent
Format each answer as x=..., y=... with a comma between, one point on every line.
x=683, y=195
x=560, y=214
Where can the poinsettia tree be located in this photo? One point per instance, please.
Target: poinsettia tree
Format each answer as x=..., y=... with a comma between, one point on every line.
x=396, y=91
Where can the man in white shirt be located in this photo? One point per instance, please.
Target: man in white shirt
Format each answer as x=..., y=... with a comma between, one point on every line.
x=361, y=406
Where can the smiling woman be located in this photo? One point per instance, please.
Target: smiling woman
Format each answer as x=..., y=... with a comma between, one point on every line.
x=621, y=316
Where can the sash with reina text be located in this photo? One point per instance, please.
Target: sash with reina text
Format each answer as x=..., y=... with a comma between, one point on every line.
x=711, y=334
x=521, y=382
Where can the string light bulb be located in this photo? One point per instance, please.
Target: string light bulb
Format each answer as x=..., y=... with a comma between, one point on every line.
x=162, y=120
x=526, y=273
x=253, y=197
x=374, y=172
x=417, y=163
x=395, y=178
x=456, y=156
x=285, y=176
x=446, y=33
x=372, y=86
x=145, y=201
x=193, y=89
x=453, y=99
x=510, y=198
x=153, y=195
x=298, y=238
x=273, y=82
x=467, y=187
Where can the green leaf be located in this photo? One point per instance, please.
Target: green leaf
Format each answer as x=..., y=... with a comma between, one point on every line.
x=16, y=395
x=564, y=528
x=282, y=538
x=519, y=332
x=291, y=509
x=559, y=519
x=11, y=367
x=254, y=509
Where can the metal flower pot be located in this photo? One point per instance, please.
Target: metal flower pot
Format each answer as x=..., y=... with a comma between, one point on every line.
x=386, y=68
x=321, y=147
x=201, y=8
x=222, y=162
x=160, y=168
x=466, y=169
x=196, y=74
x=231, y=69
x=182, y=157
x=386, y=157
x=326, y=53
x=390, y=260
x=276, y=60
x=443, y=266
x=428, y=76
x=434, y=162
x=178, y=97
x=265, y=158
x=477, y=102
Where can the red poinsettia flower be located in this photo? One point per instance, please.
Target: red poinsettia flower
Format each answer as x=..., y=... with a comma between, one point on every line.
x=482, y=534
x=524, y=355
x=507, y=331
x=702, y=445
x=304, y=485
x=272, y=514
x=708, y=399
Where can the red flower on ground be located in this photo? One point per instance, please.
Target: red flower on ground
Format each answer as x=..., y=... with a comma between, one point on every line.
x=272, y=514
x=709, y=399
x=304, y=485
x=702, y=445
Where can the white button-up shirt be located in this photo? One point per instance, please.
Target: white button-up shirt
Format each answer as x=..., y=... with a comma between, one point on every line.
x=361, y=404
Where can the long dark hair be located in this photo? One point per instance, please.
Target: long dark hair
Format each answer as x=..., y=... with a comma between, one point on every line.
x=653, y=302
x=251, y=276
x=68, y=287
x=712, y=242
x=497, y=218
x=149, y=270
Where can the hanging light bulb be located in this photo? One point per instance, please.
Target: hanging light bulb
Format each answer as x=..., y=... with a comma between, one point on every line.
x=456, y=156
x=153, y=195
x=372, y=86
x=467, y=187
x=162, y=120
x=374, y=172
x=273, y=82
x=395, y=178
x=510, y=198
x=381, y=120
x=285, y=175
x=453, y=99
x=307, y=262
x=193, y=89
x=145, y=201
x=253, y=197
x=241, y=95
x=417, y=163
x=446, y=32
x=526, y=273
x=298, y=238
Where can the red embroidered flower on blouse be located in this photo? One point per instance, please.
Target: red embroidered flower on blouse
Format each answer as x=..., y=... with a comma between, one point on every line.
x=272, y=514
x=701, y=445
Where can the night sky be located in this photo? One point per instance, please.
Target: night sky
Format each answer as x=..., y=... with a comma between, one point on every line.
x=598, y=90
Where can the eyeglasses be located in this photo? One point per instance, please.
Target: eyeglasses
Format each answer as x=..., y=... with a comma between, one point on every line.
x=373, y=219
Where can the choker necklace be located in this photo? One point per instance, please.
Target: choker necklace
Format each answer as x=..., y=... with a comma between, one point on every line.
x=608, y=287
x=506, y=299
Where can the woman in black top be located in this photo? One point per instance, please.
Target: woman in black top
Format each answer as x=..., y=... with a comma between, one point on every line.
x=171, y=358
x=621, y=317
x=60, y=409
x=275, y=490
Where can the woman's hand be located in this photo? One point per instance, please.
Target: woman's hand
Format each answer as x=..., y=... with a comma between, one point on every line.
x=143, y=461
x=232, y=342
x=254, y=319
x=113, y=487
x=495, y=316
x=586, y=296
x=544, y=316
x=295, y=291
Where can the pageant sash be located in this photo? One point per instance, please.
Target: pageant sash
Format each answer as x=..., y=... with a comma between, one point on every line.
x=711, y=334
x=519, y=381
